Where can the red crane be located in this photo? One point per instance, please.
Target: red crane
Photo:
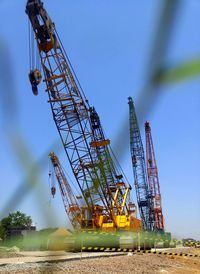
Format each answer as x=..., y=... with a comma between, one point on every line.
x=153, y=180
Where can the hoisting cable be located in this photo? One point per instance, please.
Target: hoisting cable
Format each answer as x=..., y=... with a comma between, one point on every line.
x=29, y=42
x=38, y=63
x=118, y=164
x=72, y=68
x=120, y=168
x=32, y=50
x=72, y=182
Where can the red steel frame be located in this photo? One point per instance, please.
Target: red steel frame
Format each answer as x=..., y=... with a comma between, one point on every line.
x=153, y=180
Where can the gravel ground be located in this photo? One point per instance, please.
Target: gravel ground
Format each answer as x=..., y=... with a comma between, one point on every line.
x=136, y=263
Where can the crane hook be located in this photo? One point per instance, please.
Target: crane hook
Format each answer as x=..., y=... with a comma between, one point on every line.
x=35, y=78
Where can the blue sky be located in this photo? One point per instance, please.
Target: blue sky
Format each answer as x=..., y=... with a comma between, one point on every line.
x=108, y=43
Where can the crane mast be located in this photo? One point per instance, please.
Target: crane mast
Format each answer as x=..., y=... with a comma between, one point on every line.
x=70, y=202
x=153, y=180
x=139, y=170
x=78, y=124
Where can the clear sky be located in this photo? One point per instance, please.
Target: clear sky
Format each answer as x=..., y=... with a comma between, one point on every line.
x=108, y=43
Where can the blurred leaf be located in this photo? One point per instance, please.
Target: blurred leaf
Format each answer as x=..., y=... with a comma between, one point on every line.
x=181, y=72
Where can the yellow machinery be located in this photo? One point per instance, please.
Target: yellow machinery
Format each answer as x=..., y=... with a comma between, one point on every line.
x=77, y=214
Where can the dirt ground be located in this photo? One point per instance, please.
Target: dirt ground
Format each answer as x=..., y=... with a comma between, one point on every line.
x=129, y=263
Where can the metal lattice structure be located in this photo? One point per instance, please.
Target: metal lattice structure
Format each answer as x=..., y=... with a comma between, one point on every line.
x=139, y=170
x=153, y=180
x=78, y=124
x=108, y=169
x=70, y=202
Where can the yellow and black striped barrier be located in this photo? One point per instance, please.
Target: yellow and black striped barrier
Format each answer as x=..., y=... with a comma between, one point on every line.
x=187, y=243
x=115, y=249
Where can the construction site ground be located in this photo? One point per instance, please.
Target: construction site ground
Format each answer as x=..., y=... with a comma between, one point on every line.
x=96, y=262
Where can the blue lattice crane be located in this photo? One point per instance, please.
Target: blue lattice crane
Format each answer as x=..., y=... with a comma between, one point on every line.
x=143, y=194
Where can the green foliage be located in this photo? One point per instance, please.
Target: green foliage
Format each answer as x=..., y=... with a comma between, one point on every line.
x=181, y=72
x=2, y=231
x=14, y=220
x=38, y=240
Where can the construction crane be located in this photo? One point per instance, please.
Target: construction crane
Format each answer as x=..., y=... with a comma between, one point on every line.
x=102, y=186
x=70, y=202
x=153, y=180
x=144, y=197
